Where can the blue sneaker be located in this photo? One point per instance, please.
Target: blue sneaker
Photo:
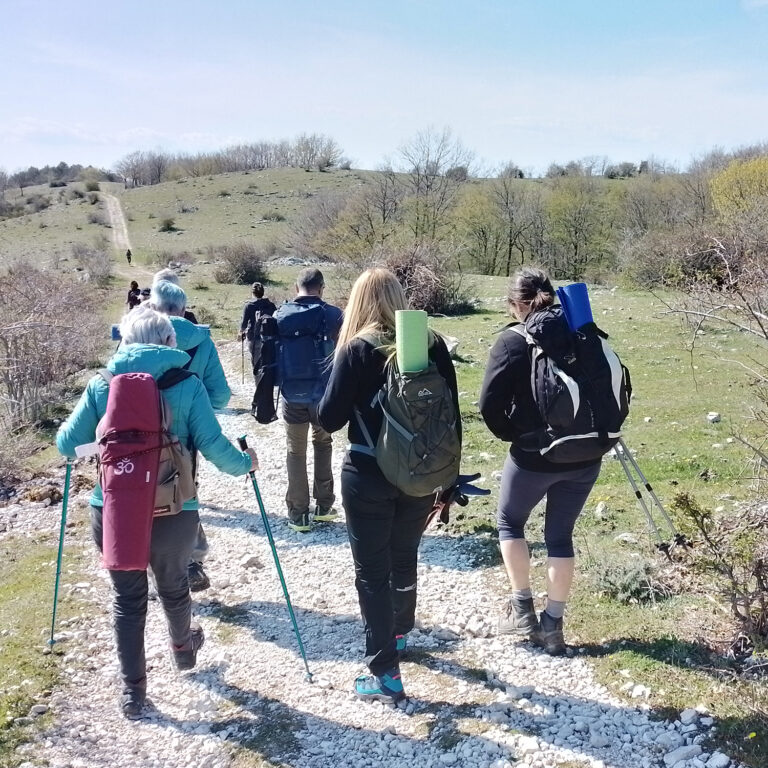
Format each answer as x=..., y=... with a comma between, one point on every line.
x=401, y=643
x=387, y=687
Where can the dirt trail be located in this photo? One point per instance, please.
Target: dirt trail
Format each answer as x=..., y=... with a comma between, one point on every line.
x=120, y=239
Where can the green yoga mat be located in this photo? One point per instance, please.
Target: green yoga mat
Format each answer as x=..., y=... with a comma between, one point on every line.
x=411, y=340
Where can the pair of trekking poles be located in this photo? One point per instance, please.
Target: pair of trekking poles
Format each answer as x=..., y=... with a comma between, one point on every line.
x=242, y=442
x=630, y=465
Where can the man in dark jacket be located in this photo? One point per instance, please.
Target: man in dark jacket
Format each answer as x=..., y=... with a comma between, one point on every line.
x=299, y=414
x=257, y=307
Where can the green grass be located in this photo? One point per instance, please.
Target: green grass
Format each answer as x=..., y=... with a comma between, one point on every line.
x=26, y=595
x=225, y=209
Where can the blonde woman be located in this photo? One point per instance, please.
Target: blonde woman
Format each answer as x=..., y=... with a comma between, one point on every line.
x=384, y=525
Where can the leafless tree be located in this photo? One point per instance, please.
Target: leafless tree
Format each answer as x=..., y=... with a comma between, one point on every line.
x=431, y=190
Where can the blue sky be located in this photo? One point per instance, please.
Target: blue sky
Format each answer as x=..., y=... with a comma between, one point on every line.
x=533, y=81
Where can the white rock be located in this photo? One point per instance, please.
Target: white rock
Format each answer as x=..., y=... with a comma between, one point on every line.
x=681, y=754
x=718, y=760
x=527, y=745
x=688, y=716
x=713, y=417
x=448, y=758
x=599, y=740
x=250, y=561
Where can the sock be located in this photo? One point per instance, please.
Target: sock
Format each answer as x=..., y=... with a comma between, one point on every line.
x=555, y=608
x=522, y=594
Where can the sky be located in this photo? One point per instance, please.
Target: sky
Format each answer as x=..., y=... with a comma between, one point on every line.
x=528, y=81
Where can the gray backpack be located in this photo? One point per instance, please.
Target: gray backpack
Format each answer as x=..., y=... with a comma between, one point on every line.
x=418, y=449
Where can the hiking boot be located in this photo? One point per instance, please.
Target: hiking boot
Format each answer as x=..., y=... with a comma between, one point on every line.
x=387, y=687
x=549, y=635
x=299, y=522
x=401, y=643
x=518, y=618
x=132, y=702
x=198, y=579
x=324, y=514
x=186, y=656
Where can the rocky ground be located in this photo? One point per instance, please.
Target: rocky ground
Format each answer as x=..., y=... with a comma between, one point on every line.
x=474, y=698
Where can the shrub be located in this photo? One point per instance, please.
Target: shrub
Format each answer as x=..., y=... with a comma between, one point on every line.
x=732, y=554
x=224, y=193
x=429, y=281
x=632, y=582
x=167, y=225
x=164, y=258
x=206, y=316
x=54, y=184
x=273, y=216
x=241, y=263
x=98, y=218
x=39, y=203
x=92, y=186
x=45, y=335
x=93, y=198
x=76, y=194
x=94, y=262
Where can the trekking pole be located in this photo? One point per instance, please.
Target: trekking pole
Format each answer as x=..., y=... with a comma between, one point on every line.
x=64, y=501
x=242, y=361
x=241, y=441
x=679, y=538
x=621, y=456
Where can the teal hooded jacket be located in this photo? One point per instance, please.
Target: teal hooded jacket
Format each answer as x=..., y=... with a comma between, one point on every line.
x=194, y=421
x=205, y=362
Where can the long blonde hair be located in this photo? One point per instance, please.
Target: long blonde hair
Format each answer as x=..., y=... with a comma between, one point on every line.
x=373, y=301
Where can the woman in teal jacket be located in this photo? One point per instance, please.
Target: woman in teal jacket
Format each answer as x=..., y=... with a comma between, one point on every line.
x=148, y=341
x=170, y=299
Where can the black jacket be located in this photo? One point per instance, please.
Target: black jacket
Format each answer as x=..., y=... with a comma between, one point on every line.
x=507, y=405
x=357, y=375
x=263, y=306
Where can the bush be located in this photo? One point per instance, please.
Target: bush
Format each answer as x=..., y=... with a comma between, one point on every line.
x=273, y=216
x=98, y=218
x=429, y=281
x=54, y=184
x=164, y=258
x=167, y=225
x=632, y=582
x=241, y=263
x=92, y=186
x=225, y=193
x=76, y=194
x=206, y=316
x=93, y=198
x=94, y=262
x=45, y=335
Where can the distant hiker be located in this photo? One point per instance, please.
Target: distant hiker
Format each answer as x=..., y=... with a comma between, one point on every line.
x=508, y=407
x=384, y=524
x=148, y=341
x=196, y=341
x=307, y=329
x=254, y=309
x=134, y=296
x=172, y=277
x=145, y=295
x=128, y=256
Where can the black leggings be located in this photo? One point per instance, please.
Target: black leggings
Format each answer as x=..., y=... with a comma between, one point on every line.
x=566, y=491
x=385, y=528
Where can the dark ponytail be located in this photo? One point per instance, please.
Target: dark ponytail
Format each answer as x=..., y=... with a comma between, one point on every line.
x=530, y=285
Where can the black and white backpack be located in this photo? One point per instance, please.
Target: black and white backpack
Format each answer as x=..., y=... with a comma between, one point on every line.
x=581, y=388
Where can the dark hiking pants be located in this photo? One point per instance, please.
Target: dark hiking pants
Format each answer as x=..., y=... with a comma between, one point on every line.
x=172, y=540
x=384, y=527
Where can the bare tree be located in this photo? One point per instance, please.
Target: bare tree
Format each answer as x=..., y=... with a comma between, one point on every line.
x=431, y=190
x=132, y=168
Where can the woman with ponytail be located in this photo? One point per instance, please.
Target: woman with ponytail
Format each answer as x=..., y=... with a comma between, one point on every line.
x=510, y=412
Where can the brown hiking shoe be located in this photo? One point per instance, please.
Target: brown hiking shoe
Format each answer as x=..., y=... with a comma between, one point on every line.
x=549, y=635
x=518, y=618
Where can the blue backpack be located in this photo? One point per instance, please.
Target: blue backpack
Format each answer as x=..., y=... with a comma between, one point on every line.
x=303, y=354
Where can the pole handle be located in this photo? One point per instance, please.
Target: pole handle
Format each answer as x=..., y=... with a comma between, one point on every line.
x=242, y=442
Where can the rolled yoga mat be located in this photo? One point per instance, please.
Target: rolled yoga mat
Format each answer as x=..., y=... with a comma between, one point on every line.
x=411, y=340
x=575, y=302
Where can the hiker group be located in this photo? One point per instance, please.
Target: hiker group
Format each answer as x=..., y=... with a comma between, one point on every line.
x=553, y=389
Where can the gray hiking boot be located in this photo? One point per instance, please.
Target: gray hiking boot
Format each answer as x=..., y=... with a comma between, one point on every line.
x=518, y=618
x=549, y=635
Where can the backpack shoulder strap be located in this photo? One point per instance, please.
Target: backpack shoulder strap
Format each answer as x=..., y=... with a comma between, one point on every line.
x=172, y=377
x=191, y=352
x=105, y=374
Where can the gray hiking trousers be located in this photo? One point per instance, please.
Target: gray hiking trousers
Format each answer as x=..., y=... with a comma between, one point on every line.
x=172, y=540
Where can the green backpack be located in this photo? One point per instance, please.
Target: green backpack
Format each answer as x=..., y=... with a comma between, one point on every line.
x=418, y=449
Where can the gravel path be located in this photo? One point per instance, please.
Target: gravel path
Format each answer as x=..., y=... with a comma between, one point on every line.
x=120, y=238
x=474, y=699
